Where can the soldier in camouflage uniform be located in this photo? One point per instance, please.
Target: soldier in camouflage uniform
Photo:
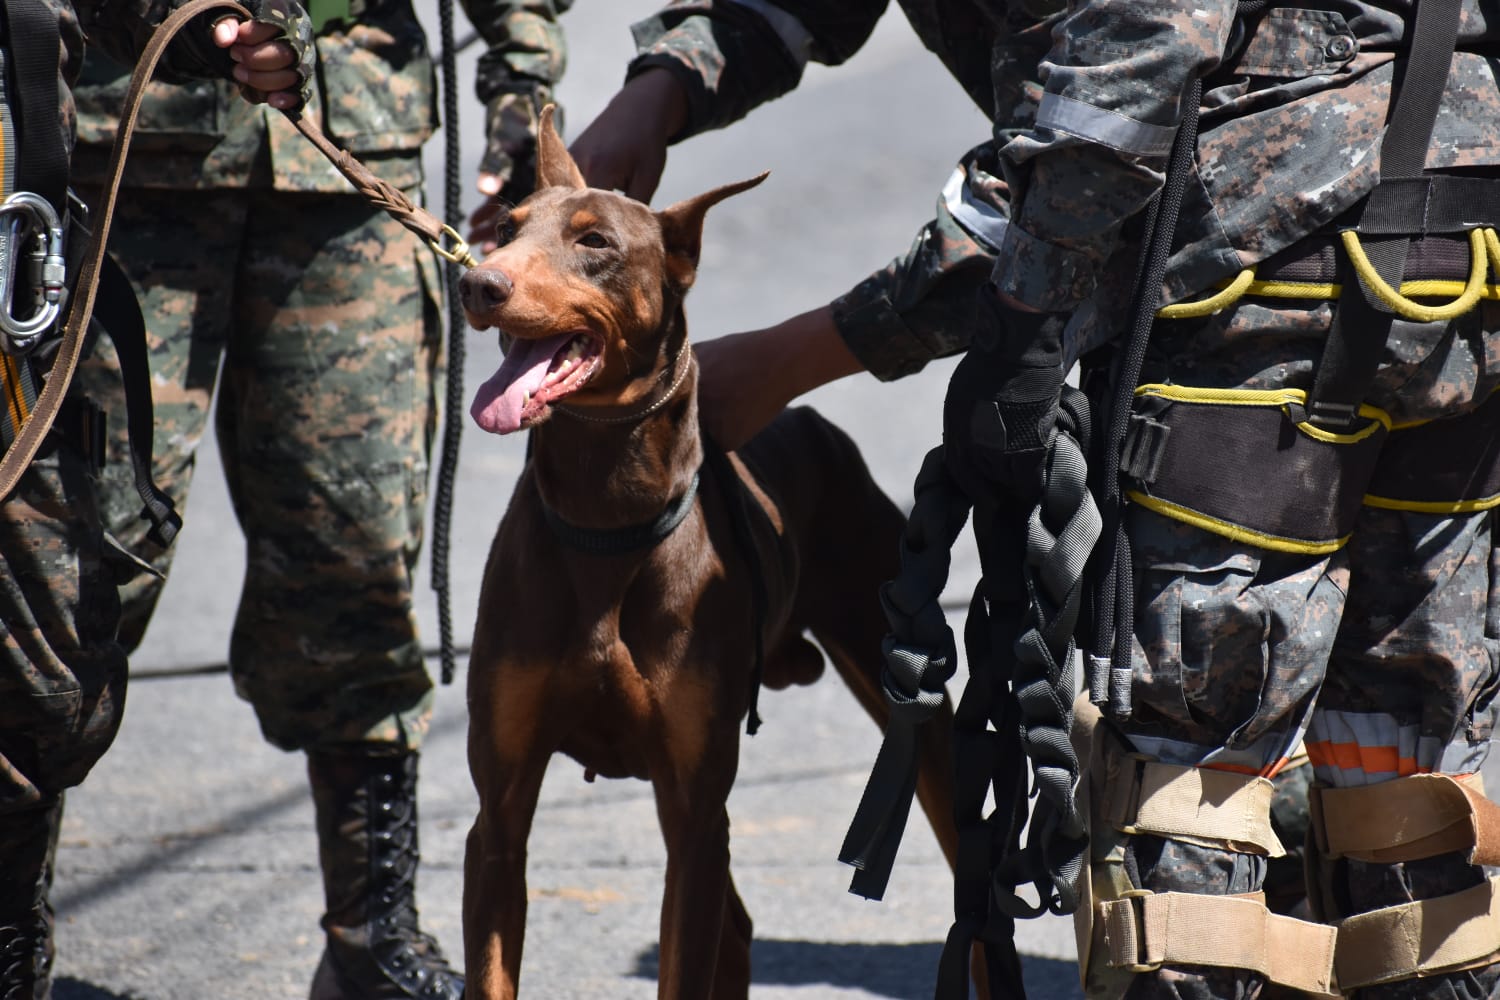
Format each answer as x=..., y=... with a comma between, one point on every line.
x=514, y=80
x=315, y=317
x=62, y=673
x=1381, y=651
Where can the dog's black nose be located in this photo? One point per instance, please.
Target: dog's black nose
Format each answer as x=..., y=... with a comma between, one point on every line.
x=483, y=289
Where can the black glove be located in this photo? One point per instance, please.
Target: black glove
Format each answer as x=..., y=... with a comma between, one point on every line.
x=1002, y=401
x=194, y=56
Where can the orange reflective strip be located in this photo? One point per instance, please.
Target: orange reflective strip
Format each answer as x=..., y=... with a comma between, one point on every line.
x=1353, y=757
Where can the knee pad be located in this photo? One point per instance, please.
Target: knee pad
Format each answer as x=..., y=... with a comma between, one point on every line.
x=1408, y=819
x=1124, y=931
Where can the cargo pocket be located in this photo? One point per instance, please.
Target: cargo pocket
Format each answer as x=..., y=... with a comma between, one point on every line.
x=1233, y=642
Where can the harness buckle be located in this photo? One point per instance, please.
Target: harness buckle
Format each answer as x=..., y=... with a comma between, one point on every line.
x=32, y=264
x=1137, y=898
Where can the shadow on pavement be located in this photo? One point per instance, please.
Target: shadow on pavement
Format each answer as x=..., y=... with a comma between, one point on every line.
x=74, y=989
x=891, y=970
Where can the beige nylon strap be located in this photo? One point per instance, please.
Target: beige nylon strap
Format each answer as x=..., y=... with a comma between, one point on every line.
x=1419, y=816
x=1145, y=931
x=1420, y=939
x=1145, y=796
x=49, y=401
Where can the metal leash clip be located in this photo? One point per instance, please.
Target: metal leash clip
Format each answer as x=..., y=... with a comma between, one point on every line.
x=32, y=267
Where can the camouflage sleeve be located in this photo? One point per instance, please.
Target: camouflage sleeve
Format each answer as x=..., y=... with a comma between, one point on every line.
x=516, y=77
x=921, y=305
x=1114, y=82
x=733, y=55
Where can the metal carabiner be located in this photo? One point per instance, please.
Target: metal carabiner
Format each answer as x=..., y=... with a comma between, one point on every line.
x=31, y=237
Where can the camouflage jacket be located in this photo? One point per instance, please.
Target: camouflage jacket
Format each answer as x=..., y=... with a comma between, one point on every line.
x=517, y=76
x=374, y=94
x=1292, y=118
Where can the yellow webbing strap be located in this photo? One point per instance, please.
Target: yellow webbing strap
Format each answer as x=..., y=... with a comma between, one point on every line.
x=1419, y=816
x=1424, y=938
x=1197, y=804
x=1146, y=930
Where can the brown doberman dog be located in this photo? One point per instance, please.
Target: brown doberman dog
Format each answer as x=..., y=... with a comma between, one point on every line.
x=618, y=614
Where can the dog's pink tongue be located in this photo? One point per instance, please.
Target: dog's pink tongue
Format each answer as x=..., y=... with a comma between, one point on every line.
x=498, y=403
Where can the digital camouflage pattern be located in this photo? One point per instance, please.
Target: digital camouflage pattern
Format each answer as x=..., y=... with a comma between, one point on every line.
x=373, y=95
x=62, y=672
x=1238, y=650
x=516, y=77
x=326, y=407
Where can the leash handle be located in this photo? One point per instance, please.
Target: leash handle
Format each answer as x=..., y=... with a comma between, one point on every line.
x=49, y=401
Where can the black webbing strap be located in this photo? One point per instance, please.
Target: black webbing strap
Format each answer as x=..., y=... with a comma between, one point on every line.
x=118, y=311
x=43, y=169
x=737, y=501
x=1361, y=323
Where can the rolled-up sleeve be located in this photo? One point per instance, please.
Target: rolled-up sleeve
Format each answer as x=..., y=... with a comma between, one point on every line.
x=1113, y=83
x=732, y=55
x=920, y=306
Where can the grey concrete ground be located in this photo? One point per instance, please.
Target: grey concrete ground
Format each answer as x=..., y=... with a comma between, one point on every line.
x=188, y=866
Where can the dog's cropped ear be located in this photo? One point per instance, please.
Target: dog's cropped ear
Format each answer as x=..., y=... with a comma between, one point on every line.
x=682, y=228
x=554, y=164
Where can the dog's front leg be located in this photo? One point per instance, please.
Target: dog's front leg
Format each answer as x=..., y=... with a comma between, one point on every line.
x=508, y=756
x=692, y=790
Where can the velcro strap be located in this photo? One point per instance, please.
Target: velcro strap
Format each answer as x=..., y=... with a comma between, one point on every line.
x=1429, y=936
x=1145, y=931
x=1219, y=807
x=1419, y=816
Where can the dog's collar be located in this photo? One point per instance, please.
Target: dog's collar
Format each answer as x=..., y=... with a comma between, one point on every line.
x=682, y=363
x=618, y=541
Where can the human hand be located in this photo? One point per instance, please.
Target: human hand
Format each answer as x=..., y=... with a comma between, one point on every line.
x=745, y=379
x=625, y=148
x=272, y=54
x=481, y=235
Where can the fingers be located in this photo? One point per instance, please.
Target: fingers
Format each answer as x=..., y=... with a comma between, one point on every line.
x=482, y=227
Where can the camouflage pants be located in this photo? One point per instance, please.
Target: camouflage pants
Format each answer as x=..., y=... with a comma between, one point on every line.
x=1384, y=653
x=315, y=318
x=62, y=677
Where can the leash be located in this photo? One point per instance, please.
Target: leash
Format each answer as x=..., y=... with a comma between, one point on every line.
x=445, y=240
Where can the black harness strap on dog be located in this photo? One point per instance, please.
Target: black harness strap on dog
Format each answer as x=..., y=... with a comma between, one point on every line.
x=737, y=499
x=620, y=541
x=1398, y=210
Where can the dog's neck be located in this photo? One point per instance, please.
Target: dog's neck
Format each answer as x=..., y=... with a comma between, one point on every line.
x=602, y=474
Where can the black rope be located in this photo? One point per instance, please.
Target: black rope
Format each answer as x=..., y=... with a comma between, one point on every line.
x=442, y=501
x=1114, y=603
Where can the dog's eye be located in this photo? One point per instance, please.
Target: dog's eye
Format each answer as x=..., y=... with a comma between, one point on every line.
x=593, y=240
x=505, y=229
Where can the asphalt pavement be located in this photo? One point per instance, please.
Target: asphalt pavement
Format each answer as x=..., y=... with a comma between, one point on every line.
x=188, y=863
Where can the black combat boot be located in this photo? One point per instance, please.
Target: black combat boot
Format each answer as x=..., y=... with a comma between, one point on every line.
x=367, y=844
x=28, y=845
